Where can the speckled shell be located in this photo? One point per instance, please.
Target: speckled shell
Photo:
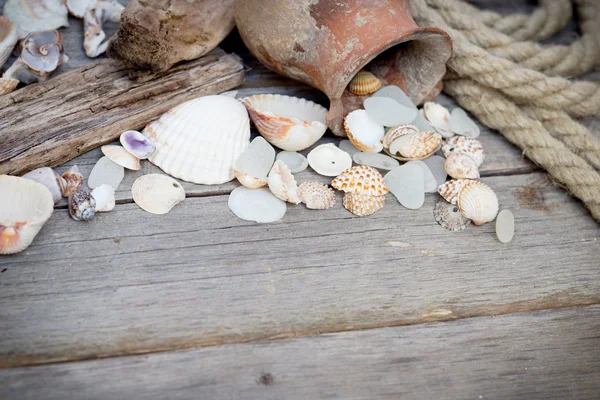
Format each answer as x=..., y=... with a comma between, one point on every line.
x=364, y=83
x=25, y=206
x=398, y=131
x=73, y=179
x=290, y=123
x=82, y=206
x=420, y=145
x=451, y=189
x=200, y=140
x=362, y=204
x=461, y=166
x=361, y=180
x=316, y=195
x=478, y=202
x=466, y=145
x=282, y=183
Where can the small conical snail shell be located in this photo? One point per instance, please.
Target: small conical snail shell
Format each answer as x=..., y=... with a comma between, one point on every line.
x=464, y=145
x=282, y=183
x=478, y=202
x=363, y=205
x=82, y=206
x=74, y=180
x=397, y=132
x=451, y=189
x=316, y=196
x=416, y=146
x=364, y=83
x=361, y=180
x=461, y=166
x=49, y=178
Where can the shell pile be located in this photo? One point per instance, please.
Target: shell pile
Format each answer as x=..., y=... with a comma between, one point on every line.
x=364, y=189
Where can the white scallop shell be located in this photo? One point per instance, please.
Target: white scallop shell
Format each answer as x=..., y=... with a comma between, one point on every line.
x=258, y=205
x=25, y=206
x=329, y=160
x=253, y=165
x=478, y=202
x=290, y=123
x=36, y=15
x=200, y=140
x=119, y=155
x=156, y=193
x=461, y=166
x=105, y=198
x=282, y=183
x=439, y=117
x=8, y=39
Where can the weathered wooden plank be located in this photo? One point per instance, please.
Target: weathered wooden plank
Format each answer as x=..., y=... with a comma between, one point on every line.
x=48, y=123
x=539, y=355
x=132, y=282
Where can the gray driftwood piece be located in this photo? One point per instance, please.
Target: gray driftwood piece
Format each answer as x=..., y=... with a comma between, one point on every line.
x=48, y=123
x=537, y=355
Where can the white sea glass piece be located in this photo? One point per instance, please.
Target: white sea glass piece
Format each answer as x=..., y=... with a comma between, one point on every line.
x=407, y=183
x=256, y=161
x=505, y=226
x=430, y=182
x=296, y=162
x=388, y=112
x=394, y=92
x=258, y=205
x=436, y=165
x=375, y=160
x=106, y=172
x=348, y=147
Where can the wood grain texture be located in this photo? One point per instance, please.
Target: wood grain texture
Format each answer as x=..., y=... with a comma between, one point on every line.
x=48, y=123
x=539, y=355
x=132, y=282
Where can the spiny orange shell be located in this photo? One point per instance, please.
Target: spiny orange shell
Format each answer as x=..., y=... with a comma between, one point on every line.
x=361, y=180
x=362, y=204
x=364, y=83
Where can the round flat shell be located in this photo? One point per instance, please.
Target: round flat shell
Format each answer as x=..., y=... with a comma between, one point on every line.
x=388, y=112
x=437, y=167
x=394, y=92
x=329, y=160
x=375, y=160
x=348, y=147
x=462, y=124
x=296, y=162
x=407, y=183
x=505, y=226
x=106, y=172
x=258, y=205
x=449, y=216
x=430, y=182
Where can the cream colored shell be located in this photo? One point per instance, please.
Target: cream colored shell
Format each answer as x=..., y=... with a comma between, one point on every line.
x=119, y=155
x=364, y=83
x=200, y=140
x=316, y=195
x=397, y=132
x=156, y=193
x=25, y=206
x=466, y=145
x=478, y=202
x=461, y=166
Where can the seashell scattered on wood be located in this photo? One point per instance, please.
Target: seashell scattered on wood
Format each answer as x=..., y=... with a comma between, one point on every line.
x=74, y=180
x=375, y=160
x=364, y=83
x=449, y=216
x=282, y=183
x=316, y=195
x=329, y=160
x=290, y=123
x=104, y=195
x=363, y=205
x=253, y=165
x=106, y=171
x=296, y=162
x=417, y=146
x=36, y=15
x=466, y=145
x=200, y=140
x=25, y=206
x=137, y=144
x=439, y=117
x=397, y=132
x=258, y=205
x=450, y=190
x=8, y=39
x=119, y=155
x=157, y=193
x=478, y=202
x=361, y=180
x=407, y=184
x=461, y=166
x=46, y=176
x=397, y=94
x=462, y=124
x=388, y=112
x=82, y=206
x=363, y=132
x=505, y=226
x=348, y=147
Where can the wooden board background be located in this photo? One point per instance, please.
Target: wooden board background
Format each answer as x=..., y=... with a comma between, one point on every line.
x=199, y=304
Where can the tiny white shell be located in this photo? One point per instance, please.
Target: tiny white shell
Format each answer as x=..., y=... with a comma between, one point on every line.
x=258, y=205
x=329, y=160
x=119, y=155
x=156, y=193
x=282, y=183
x=105, y=198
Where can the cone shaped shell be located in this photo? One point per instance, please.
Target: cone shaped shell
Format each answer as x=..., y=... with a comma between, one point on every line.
x=478, y=202
x=450, y=190
x=199, y=141
x=466, y=145
x=25, y=206
x=362, y=204
x=156, y=193
x=364, y=83
x=290, y=123
x=82, y=206
x=282, y=183
x=361, y=180
x=119, y=155
x=461, y=166
x=316, y=195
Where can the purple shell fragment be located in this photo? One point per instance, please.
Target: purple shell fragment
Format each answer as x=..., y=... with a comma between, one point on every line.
x=137, y=144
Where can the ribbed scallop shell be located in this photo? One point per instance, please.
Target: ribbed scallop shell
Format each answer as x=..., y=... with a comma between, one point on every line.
x=466, y=145
x=8, y=39
x=25, y=206
x=417, y=146
x=282, y=183
x=397, y=132
x=478, y=202
x=361, y=180
x=364, y=83
x=316, y=195
x=362, y=204
x=290, y=123
x=461, y=166
x=200, y=140
x=451, y=189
